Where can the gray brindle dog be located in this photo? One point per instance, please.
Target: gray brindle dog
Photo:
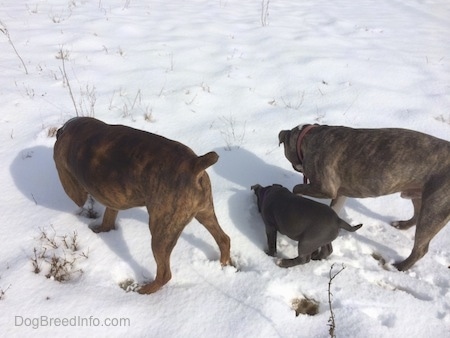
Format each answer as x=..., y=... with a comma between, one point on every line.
x=312, y=224
x=343, y=162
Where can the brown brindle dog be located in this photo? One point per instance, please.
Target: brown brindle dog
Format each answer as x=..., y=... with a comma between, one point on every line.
x=122, y=168
x=341, y=161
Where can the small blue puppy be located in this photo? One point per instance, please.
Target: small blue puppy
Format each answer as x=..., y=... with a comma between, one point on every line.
x=314, y=225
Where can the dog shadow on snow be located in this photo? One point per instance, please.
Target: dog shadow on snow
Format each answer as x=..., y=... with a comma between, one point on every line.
x=245, y=169
x=34, y=173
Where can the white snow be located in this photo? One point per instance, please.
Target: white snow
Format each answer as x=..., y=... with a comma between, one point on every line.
x=221, y=75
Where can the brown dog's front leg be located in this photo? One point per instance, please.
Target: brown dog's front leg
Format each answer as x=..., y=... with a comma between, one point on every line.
x=109, y=221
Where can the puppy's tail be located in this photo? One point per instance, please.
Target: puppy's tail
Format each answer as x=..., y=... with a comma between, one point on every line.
x=205, y=161
x=344, y=225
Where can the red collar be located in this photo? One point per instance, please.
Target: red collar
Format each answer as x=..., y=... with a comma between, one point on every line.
x=299, y=146
x=300, y=140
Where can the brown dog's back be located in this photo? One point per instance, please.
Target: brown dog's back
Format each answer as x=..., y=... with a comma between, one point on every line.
x=102, y=156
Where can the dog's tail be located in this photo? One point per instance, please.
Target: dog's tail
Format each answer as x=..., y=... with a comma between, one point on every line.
x=344, y=225
x=205, y=161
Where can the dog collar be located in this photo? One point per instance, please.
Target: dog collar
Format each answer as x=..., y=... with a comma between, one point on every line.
x=300, y=140
x=299, y=147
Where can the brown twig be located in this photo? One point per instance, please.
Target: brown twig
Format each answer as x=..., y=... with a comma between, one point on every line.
x=5, y=31
x=331, y=321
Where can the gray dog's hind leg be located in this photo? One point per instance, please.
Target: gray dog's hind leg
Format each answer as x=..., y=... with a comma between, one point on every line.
x=421, y=243
x=417, y=204
x=434, y=215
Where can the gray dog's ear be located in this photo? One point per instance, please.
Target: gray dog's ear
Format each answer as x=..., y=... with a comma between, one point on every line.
x=282, y=136
x=255, y=187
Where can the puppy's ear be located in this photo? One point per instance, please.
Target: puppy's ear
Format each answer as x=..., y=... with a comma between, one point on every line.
x=256, y=189
x=282, y=136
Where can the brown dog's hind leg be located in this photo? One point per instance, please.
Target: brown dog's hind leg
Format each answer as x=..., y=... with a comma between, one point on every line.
x=109, y=221
x=164, y=238
x=208, y=219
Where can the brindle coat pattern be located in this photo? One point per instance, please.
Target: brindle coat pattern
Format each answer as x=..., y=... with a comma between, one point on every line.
x=122, y=168
x=344, y=162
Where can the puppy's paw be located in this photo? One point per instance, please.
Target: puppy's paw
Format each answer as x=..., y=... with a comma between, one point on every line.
x=270, y=253
x=279, y=262
x=284, y=263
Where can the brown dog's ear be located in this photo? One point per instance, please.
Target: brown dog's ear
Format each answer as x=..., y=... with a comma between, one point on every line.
x=282, y=136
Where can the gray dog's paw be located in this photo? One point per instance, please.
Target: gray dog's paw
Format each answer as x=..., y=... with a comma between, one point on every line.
x=395, y=224
x=403, y=225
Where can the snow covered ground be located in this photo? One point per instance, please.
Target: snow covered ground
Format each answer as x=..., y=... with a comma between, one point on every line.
x=221, y=75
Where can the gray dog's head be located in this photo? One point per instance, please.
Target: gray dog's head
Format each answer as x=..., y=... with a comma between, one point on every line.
x=289, y=139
